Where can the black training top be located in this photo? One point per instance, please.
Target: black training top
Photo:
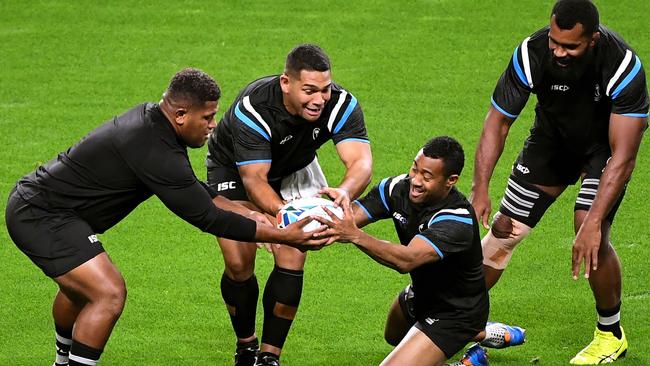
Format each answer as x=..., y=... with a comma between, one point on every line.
x=258, y=129
x=120, y=164
x=455, y=284
x=576, y=112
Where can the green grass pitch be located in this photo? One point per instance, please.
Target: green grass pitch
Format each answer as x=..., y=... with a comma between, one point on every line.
x=419, y=68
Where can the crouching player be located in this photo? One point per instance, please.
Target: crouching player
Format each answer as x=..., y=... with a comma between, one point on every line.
x=447, y=305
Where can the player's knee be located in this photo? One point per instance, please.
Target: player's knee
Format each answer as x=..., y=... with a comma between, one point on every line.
x=391, y=337
x=112, y=298
x=500, y=242
x=290, y=258
x=239, y=270
x=501, y=226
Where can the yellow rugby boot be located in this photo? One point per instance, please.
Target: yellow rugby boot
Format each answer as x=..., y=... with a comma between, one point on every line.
x=605, y=348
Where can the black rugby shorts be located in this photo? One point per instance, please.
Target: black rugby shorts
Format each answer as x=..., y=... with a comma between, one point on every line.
x=57, y=241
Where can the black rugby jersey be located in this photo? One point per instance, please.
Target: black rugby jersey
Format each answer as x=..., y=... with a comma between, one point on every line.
x=120, y=164
x=574, y=113
x=257, y=128
x=455, y=284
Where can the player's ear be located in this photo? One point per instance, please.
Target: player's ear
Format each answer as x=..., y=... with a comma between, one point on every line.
x=452, y=179
x=594, y=39
x=179, y=115
x=284, y=82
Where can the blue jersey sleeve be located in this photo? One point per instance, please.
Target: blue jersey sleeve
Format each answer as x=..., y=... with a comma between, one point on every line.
x=626, y=85
x=346, y=120
x=516, y=83
x=376, y=203
x=251, y=134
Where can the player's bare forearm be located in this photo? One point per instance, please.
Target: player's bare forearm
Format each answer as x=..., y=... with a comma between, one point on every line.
x=378, y=259
x=357, y=158
x=490, y=147
x=396, y=256
x=356, y=179
x=625, y=134
x=611, y=185
x=228, y=205
x=254, y=178
x=263, y=196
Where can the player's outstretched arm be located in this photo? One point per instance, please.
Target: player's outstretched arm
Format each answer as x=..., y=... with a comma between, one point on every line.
x=488, y=151
x=625, y=135
x=396, y=256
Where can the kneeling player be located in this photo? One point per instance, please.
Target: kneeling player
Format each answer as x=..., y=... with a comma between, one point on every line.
x=447, y=304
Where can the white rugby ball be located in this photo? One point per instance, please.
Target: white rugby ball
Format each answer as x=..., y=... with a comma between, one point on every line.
x=304, y=207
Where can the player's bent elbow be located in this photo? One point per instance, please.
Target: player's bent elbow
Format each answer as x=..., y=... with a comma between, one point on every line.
x=404, y=267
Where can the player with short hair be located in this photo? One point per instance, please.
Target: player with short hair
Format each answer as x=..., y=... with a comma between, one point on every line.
x=54, y=213
x=262, y=154
x=447, y=304
x=591, y=113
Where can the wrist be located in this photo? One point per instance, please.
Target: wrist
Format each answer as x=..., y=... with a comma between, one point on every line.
x=479, y=188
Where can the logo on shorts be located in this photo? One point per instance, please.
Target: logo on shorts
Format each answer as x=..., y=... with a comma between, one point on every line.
x=421, y=227
x=93, y=239
x=224, y=186
x=315, y=133
x=562, y=88
x=597, y=93
x=431, y=321
x=523, y=169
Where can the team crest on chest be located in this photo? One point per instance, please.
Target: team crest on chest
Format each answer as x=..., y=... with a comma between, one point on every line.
x=315, y=132
x=284, y=140
x=597, y=93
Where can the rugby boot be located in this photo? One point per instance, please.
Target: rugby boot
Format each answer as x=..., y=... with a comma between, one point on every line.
x=267, y=359
x=247, y=353
x=605, y=348
x=474, y=356
x=499, y=335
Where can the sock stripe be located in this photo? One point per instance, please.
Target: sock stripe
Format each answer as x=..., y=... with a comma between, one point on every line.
x=83, y=360
x=609, y=320
x=63, y=340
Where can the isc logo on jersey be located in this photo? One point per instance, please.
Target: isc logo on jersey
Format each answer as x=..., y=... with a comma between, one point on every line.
x=303, y=207
x=224, y=186
x=562, y=88
x=398, y=216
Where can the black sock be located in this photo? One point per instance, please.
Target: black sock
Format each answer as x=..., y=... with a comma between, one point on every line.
x=83, y=355
x=241, y=300
x=284, y=286
x=609, y=320
x=63, y=342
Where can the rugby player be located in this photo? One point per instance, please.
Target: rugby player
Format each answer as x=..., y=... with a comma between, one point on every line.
x=55, y=213
x=591, y=113
x=262, y=154
x=446, y=305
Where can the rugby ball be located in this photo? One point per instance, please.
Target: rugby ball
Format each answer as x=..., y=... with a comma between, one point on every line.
x=302, y=207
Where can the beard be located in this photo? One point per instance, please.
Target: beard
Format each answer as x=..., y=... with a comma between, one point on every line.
x=574, y=68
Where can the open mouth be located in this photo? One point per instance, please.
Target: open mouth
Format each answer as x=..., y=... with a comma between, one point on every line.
x=415, y=192
x=562, y=62
x=313, y=111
